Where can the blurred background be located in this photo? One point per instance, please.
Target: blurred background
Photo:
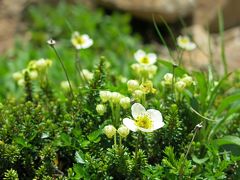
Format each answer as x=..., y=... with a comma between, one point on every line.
x=118, y=28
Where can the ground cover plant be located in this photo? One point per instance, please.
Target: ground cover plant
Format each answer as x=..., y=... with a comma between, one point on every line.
x=81, y=102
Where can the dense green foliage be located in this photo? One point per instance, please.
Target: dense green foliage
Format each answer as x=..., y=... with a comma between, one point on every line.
x=50, y=132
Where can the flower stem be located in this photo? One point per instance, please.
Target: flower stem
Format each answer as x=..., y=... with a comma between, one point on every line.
x=64, y=69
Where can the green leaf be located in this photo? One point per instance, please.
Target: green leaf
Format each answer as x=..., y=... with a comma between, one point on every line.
x=228, y=140
x=21, y=141
x=93, y=137
x=79, y=158
x=199, y=161
x=65, y=139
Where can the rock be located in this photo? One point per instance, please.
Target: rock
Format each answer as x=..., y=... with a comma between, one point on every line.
x=9, y=21
x=206, y=13
x=169, y=10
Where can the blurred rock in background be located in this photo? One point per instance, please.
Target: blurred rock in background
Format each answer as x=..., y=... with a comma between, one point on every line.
x=168, y=10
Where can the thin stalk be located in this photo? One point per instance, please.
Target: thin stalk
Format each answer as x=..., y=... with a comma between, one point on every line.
x=161, y=37
x=79, y=67
x=173, y=80
x=221, y=31
x=64, y=69
x=196, y=129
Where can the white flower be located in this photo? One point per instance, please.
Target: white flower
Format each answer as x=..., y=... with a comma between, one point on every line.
x=101, y=109
x=109, y=130
x=146, y=121
x=86, y=74
x=185, y=43
x=123, y=131
x=81, y=41
x=145, y=59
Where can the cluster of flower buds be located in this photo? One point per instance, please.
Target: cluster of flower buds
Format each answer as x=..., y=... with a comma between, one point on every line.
x=139, y=90
x=180, y=84
x=34, y=69
x=114, y=98
x=111, y=131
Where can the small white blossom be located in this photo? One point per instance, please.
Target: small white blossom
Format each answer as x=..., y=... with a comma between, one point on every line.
x=81, y=41
x=145, y=59
x=184, y=42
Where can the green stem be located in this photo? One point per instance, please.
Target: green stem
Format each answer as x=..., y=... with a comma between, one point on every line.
x=64, y=69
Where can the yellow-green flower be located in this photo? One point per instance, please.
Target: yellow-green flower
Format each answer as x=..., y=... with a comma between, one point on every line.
x=144, y=120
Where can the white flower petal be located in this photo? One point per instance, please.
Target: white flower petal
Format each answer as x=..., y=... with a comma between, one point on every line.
x=139, y=55
x=146, y=130
x=130, y=124
x=156, y=117
x=152, y=58
x=137, y=110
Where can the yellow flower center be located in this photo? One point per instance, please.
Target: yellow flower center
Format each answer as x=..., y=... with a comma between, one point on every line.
x=144, y=121
x=79, y=40
x=185, y=40
x=144, y=60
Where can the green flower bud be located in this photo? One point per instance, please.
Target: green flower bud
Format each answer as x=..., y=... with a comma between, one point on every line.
x=101, y=109
x=109, y=130
x=123, y=131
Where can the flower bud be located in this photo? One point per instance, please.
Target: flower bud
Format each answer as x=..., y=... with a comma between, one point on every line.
x=132, y=85
x=123, y=131
x=17, y=76
x=33, y=74
x=86, y=74
x=125, y=102
x=152, y=69
x=101, y=109
x=187, y=79
x=65, y=86
x=40, y=64
x=109, y=130
x=116, y=97
x=168, y=78
x=21, y=82
x=180, y=85
x=147, y=87
x=138, y=94
x=105, y=95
